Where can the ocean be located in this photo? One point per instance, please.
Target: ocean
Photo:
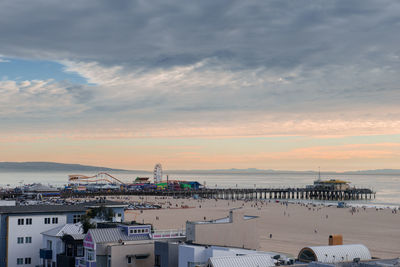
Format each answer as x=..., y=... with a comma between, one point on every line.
x=387, y=187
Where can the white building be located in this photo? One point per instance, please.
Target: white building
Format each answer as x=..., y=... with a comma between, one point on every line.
x=21, y=228
x=24, y=239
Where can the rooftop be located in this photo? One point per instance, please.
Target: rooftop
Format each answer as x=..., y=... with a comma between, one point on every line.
x=58, y=208
x=108, y=235
x=66, y=229
x=239, y=261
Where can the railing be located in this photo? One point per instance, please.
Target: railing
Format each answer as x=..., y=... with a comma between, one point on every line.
x=46, y=254
x=82, y=262
x=171, y=233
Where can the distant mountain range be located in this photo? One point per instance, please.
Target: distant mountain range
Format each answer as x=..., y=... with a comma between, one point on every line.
x=270, y=171
x=53, y=166
x=49, y=166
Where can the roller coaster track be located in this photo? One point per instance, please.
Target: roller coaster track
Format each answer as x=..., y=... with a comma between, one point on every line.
x=101, y=176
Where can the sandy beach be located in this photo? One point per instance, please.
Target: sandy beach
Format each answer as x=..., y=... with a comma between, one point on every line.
x=293, y=226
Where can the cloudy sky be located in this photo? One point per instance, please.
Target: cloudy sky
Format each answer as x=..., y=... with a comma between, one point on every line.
x=205, y=84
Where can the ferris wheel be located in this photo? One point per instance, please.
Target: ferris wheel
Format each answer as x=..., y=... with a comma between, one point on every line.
x=157, y=173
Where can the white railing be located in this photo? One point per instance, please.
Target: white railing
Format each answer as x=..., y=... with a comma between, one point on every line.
x=170, y=233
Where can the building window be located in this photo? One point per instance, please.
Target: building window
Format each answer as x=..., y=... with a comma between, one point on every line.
x=55, y=220
x=28, y=221
x=135, y=231
x=49, y=244
x=129, y=259
x=46, y=220
x=20, y=240
x=77, y=218
x=90, y=255
x=28, y=260
x=147, y=230
x=119, y=215
x=28, y=239
x=20, y=261
x=20, y=221
x=79, y=250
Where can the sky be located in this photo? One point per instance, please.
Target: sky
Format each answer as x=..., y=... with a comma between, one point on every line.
x=288, y=85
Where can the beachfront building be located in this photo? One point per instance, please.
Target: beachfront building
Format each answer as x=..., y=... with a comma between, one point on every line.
x=219, y=232
x=124, y=245
x=334, y=254
x=116, y=207
x=331, y=185
x=61, y=245
x=21, y=228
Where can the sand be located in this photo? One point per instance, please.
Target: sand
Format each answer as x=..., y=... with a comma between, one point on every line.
x=293, y=226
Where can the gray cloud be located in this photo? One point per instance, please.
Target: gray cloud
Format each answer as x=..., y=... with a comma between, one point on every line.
x=274, y=34
x=206, y=61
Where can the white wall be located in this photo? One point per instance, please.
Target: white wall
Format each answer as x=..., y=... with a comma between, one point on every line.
x=188, y=253
x=34, y=230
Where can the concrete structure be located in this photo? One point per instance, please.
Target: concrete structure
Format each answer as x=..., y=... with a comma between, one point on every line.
x=333, y=254
x=220, y=232
x=54, y=244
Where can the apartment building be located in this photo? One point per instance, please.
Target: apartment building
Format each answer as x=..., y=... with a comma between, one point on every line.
x=21, y=228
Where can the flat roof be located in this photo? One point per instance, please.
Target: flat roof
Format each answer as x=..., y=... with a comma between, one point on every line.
x=58, y=208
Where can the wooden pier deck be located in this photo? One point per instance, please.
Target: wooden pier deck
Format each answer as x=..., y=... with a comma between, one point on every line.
x=248, y=194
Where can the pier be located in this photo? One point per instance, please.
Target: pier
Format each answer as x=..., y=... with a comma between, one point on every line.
x=246, y=193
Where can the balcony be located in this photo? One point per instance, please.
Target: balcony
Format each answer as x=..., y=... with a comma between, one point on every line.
x=46, y=254
x=173, y=233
